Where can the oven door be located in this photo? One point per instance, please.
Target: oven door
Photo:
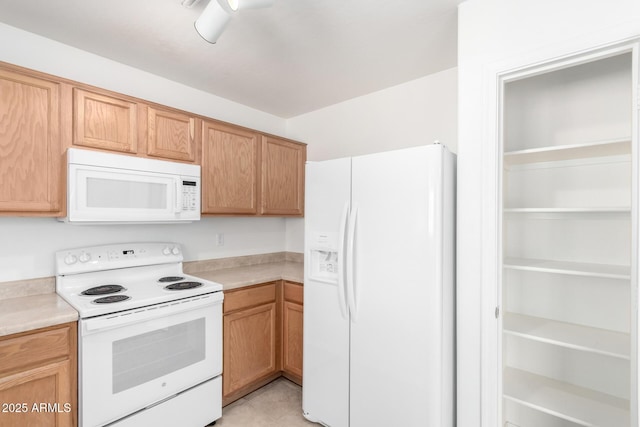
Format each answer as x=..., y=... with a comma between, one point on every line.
x=134, y=359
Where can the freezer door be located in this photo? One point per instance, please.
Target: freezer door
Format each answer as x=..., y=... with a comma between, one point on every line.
x=402, y=326
x=325, y=395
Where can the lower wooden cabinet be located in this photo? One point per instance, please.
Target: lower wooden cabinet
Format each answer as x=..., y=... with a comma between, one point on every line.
x=292, y=332
x=251, y=339
x=38, y=378
x=262, y=337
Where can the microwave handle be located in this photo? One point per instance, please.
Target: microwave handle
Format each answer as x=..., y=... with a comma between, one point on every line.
x=178, y=207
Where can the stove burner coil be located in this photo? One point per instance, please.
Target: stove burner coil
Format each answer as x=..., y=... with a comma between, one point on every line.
x=183, y=286
x=170, y=279
x=111, y=299
x=103, y=290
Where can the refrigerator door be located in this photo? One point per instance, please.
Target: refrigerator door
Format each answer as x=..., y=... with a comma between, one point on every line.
x=401, y=331
x=325, y=395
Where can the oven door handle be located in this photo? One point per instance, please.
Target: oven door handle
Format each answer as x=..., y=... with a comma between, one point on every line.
x=116, y=320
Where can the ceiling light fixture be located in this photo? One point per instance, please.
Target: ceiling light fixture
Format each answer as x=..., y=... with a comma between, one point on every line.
x=214, y=20
x=218, y=13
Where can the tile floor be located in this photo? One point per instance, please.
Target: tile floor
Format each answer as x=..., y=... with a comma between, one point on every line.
x=278, y=404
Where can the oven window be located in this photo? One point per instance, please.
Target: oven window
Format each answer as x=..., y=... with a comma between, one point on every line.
x=114, y=193
x=143, y=358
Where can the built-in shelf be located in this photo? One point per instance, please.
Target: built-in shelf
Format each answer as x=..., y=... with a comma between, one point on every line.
x=574, y=268
x=599, y=210
x=568, y=335
x=576, y=404
x=568, y=152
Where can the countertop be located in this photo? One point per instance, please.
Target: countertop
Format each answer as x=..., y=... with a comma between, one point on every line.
x=237, y=277
x=32, y=304
x=31, y=312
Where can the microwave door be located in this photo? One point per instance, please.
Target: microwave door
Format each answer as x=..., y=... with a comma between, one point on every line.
x=112, y=195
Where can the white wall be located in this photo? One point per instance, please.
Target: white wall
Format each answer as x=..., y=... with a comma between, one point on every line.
x=496, y=35
x=413, y=113
x=28, y=244
x=32, y=51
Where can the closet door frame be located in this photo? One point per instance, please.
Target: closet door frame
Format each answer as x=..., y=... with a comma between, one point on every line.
x=495, y=77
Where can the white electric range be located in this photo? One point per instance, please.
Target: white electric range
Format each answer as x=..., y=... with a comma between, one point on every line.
x=149, y=336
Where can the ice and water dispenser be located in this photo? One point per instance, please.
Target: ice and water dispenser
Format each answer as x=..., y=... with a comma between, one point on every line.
x=324, y=257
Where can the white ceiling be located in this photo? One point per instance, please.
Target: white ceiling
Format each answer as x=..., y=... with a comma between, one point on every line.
x=292, y=58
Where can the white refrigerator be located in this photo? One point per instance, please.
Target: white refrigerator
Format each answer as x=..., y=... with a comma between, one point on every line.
x=379, y=290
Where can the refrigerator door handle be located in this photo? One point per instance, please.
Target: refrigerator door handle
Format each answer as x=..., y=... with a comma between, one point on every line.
x=351, y=272
x=342, y=241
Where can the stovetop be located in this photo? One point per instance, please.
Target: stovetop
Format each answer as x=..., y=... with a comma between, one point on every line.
x=116, y=278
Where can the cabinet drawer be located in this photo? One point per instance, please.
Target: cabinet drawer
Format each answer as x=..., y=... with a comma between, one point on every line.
x=249, y=297
x=293, y=292
x=31, y=349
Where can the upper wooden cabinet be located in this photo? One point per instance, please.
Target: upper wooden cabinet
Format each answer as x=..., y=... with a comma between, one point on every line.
x=243, y=171
x=282, y=177
x=30, y=148
x=106, y=122
x=230, y=161
x=171, y=135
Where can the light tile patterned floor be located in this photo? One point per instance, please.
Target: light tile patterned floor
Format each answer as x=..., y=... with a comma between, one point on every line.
x=278, y=404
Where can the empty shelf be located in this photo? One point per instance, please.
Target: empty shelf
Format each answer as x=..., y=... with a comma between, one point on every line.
x=577, y=404
x=573, y=268
x=583, y=338
x=568, y=152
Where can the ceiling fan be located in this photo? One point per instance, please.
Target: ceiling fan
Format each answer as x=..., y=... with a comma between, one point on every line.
x=217, y=14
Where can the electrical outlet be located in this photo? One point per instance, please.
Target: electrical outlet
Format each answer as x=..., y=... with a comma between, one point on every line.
x=220, y=239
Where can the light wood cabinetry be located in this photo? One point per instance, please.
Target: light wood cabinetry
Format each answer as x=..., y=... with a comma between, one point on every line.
x=113, y=122
x=247, y=173
x=282, y=177
x=244, y=172
x=292, y=331
x=38, y=378
x=30, y=144
x=262, y=337
x=105, y=122
x=251, y=339
x=171, y=135
x=230, y=165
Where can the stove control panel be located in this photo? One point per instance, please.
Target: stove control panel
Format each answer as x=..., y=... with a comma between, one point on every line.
x=107, y=257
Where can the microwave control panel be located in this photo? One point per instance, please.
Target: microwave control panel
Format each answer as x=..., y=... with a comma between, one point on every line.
x=190, y=195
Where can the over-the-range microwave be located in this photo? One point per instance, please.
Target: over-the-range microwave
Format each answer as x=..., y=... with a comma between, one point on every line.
x=115, y=188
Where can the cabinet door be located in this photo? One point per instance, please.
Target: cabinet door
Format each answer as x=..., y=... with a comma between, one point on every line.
x=41, y=396
x=30, y=151
x=282, y=177
x=38, y=377
x=292, y=315
x=106, y=122
x=230, y=159
x=250, y=347
x=170, y=135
